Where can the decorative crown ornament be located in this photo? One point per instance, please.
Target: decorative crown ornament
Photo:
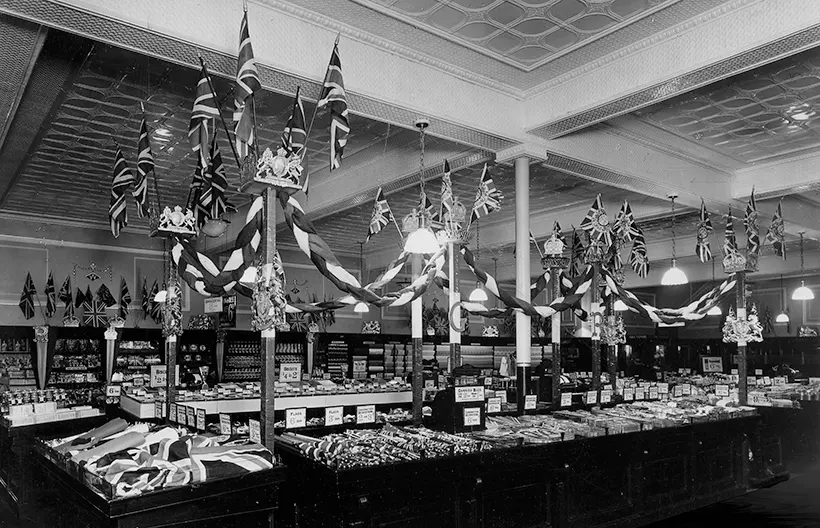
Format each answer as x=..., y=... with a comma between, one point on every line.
x=489, y=331
x=742, y=330
x=411, y=221
x=553, y=253
x=174, y=222
x=70, y=321
x=282, y=170
x=613, y=331
x=596, y=252
x=452, y=226
x=116, y=322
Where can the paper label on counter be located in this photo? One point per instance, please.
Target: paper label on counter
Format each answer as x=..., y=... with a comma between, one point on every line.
x=113, y=391
x=255, y=431
x=469, y=394
x=159, y=410
x=629, y=394
x=758, y=372
x=606, y=396
x=290, y=372
x=366, y=414
x=722, y=390
x=592, y=397
x=138, y=382
x=759, y=399
x=334, y=416
x=225, y=426
x=173, y=413
x=751, y=380
x=686, y=389
x=779, y=381
x=814, y=380
x=191, y=412
x=640, y=394
x=200, y=419
x=159, y=375
x=494, y=405
x=735, y=371
x=653, y=393
x=767, y=381
x=472, y=416
x=295, y=418
x=566, y=399
x=530, y=401
x=663, y=388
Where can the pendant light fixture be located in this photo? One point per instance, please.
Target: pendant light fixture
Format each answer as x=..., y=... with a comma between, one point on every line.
x=803, y=293
x=783, y=316
x=422, y=240
x=478, y=294
x=620, y=306
x=361, y=306
x=714, y=310
x=674, y=276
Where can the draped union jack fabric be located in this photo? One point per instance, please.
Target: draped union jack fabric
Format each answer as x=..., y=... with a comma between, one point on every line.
x=247, y=82
x=95, y=315
x=487, y=198
x=145, y=164
x=334, y=97
x=381, y=216
x=703, y=247
x=27, y=297
x=122, y=179
x=204, y=111
x=777, y=232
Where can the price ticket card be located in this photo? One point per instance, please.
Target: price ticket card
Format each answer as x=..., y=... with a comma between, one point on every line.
x=592, y=397
x=334, y=416
x=290, y=372
x=469, y=394
x=255, y=431
x=767, y=380
x=779, y=380
x=472, y=416
x=663, y=388
x=113, y=391
x=566, y=399
x=758, y=372
x=606, y=396
x=529, y=402
x=494, y=405
x=653, y=393
x=295, y=418
x=200, y=419
x=191, y=418
x=138, y=382
x=366, y=414
x=735, y=371
x=173, y=413
x=159, y=409
x=722, y=390
x=640, y=394
x=686, y=389
x=629, y=394
x=225, y=426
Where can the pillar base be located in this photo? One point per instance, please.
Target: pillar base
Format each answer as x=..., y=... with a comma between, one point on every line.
x=523, y=378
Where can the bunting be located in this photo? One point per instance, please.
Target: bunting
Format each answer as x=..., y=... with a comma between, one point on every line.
x=27, y=297
x=752, y=227
x=145, y=164
x=247, y=82
x=381, y=216
x=125, y=299
x=777, y=232
x=703, y=248
x=204, y=111
x=597, y=225
x=487, y=198
x=333, y=96
x=638, y=256
x=51, y=296
x=121, y=180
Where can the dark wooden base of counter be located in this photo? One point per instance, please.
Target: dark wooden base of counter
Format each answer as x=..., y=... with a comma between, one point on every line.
x=626, y=480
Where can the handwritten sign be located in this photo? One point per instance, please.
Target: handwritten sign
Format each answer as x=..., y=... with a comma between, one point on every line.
x=191, y=412
x=159, y=375
x=653, y=393
x=629, y=394
x=663, y=388
x=566, y=399
x=366, y=414
x=779, y=381
x=722, y=390
x=290, y=372
x=606, y=396
x=295, y=418
x=494, y=405
x=469, y=394
x=686, y=389
x=113, y=391
x=213, y=305
x=255, y=431
x=472, y=416
x=530, y=401
x=225, y=426
x=592, y=397
x=334, y=416
x=200, y=419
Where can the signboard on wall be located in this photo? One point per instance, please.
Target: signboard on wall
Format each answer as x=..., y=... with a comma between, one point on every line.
x=227, y=317
x=712, y=364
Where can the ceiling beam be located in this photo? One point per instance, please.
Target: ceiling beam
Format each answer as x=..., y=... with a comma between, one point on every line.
x=794, y=175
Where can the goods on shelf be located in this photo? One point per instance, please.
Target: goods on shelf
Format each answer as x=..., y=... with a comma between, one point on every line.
x=135, y=359
x=25, y=407
x=16, y=370
x=243, y=361
x=363, y=386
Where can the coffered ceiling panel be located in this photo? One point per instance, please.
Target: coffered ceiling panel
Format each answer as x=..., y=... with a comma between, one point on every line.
x=756, y=116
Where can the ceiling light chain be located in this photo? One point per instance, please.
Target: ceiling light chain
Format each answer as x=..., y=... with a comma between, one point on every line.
x=802, y=271
x=673, y=228
x=803, y=293
x=421, y=160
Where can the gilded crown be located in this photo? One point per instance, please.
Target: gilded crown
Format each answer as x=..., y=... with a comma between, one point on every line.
x=554, y=246
x=734, y=262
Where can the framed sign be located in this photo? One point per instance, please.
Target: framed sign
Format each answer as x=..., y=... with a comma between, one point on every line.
x=711, y=364
x=227, y=317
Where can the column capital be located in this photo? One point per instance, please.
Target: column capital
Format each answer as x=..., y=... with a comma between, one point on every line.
x=533, y=151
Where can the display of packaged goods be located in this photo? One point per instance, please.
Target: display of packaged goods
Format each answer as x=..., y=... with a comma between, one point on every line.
x=393, y=417
x=243, y=361
x=388, y=445
x=360, y=386
x=115, y=458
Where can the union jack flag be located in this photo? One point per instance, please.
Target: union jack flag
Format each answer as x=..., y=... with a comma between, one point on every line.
x=204, y=111
x=218, y=184
x=638, y=257
x=65, y=291
x=487, y=199
x=122, y=179
x=596, y=223
x=27, y=297
x=125, y=298
x=556, y=228
x=625, y=223
x=776, y=233
x=95, y=315
x=51, y=296
x=333, y=95
x=703, y=248
x=576, y=265
x=382, y=215
x=446, y=205
x=247, y=82
x=145, y=164
x=730, y=241
x=199, y=192
x=750, y=223
x=295, y=135
x=146, y=299
x=156, y=307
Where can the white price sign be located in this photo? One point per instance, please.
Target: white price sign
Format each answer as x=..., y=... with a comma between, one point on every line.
x=735, y=371
x=530, y=401
x=255, y=431
x=334, y=416
x=290, y=372
x=629, y=394
x=469, y=394
x=200, y=419
x=191, y=414
x=779, y=381
x=173, y=416
x=758, y=372
x=366, y=414
x=640, y=393
x=606, y=396
x=653, y=393
x=360, y=365
x=767, y=380
x=722, y=390
x=295, y=418
x=159, y=375
x=566, y=399
x=686, y=389
x=592, y=397
x=213, y=305
x=472, y=416
x=663, y=388
x=225, y=424
x=159, y=409
x=494, y=405
x=113, y=391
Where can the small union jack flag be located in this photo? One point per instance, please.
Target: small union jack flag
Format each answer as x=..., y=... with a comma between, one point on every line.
x=382, y=215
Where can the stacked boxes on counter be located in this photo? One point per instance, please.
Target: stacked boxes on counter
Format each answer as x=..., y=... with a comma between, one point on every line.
x=375, y=361
x=359, y=362
x=337, y=354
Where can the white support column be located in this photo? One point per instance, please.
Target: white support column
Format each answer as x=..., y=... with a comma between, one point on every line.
x=522, y=276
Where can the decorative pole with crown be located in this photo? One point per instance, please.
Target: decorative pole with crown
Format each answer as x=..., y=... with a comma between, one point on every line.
x=553, y=259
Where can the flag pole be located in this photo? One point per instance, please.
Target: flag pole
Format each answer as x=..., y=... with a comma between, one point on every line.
x=219, y=109
x=327, y=74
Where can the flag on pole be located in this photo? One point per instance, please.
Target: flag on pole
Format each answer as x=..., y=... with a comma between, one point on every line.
x=777, y=232
x=156, y=307
x=65, y=291
x=121, y=180
x=752, y=227
x=247, y=82
x=204, y=111
x=625, y=223
x=125, y=299
x=596, y=223
x=638, y=257
x=199, y=185
x=145, y=164
x=87, y=298
x=294, y=135
x=577, y=255
x=333, y=96
x=95, y=316
x=556, y=229
x=487, y=198
x=146, y=299
x=218, y=184
x=69, y=311
x=447, y=202
x=703, y=248
x=51, y=296
x=104, y=296
x=381, y=216
x=79, y=299
x=27, y=297
x=730, y=241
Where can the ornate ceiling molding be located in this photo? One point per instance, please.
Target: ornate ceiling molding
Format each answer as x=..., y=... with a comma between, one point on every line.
x=533, y=151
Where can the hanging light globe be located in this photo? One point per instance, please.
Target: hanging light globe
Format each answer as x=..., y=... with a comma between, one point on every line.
x=782, y=317
x=478, y=294
x=803, y=293
x=422, y=241
x=715, y=310
x=620, y=306
x=361, y=307
x=674, y=276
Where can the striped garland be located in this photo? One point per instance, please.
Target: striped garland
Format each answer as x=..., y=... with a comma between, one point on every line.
x=204, y=277
x=692, y=312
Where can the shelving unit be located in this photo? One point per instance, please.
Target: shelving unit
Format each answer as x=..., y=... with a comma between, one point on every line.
x=78, y=358
x=136, y=350
x=16, y=368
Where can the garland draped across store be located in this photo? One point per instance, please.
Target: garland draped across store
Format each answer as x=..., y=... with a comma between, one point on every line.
x=204, y=277
x=691, y=312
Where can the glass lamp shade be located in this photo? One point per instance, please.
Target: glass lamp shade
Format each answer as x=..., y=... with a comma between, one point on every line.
x=361, y=307
x=715, y=310
x=620, y=306
x=803, y=293
x=478, y=295
x=674, y=276
x=161, y=296
x=422, y=241
x=783, y=317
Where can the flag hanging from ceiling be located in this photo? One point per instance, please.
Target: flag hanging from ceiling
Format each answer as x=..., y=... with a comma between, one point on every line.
x=27, y=297
x=247, y=82
x=638, y=256
x=730, y=241
x=625, y=223
x=122, y=179
x=381, y=216
x=487, y=198
x=145, y=164
x=204, y=111
x=596, y=223
x=294, y=135
x=146, y=300
x=95, y=316
x=777, y=232
x=752, y=227
x=156, y=307
x=125, y=299
x=333, y=96
x=447, y=202
x=51, y=296
x=218, y=184
x=703, y=248
x=65, y=291
x=576, y=265
x=105, y=297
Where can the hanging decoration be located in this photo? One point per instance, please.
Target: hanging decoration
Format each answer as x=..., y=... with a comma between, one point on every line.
x=172, y=311
x=247, y=82
x=333, y=96
x=145, y=165
x=613, y=333
x=750, y=223
x=577, y=254
x=777, y=232
x=93, y=273
x=638, y=258
x=742, y=330
x=269, y=296
x=692, y=312
x=703, y=248
x=94, y=315
x=487, y=198
x=27, y=297
x=122, y=179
